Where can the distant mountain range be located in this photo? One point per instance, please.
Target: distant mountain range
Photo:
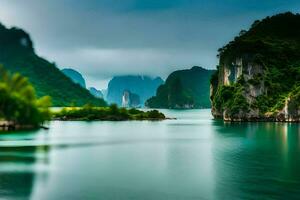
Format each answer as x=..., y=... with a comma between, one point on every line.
x=18, y=55
x=143, y=86
x=184, y=89
x=77, y=78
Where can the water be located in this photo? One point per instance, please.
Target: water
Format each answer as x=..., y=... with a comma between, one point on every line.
x=193, y=157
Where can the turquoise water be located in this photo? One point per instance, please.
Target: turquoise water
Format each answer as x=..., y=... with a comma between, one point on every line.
x=193, y=157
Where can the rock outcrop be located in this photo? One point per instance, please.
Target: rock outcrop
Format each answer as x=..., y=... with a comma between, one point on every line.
x=130, y=100
x=143, y=86
x=258, y=77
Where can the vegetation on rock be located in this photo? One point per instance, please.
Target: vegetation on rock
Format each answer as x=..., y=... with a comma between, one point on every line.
x=183, y=89
x=268, y=57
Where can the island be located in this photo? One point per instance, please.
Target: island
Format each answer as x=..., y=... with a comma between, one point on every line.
x=258, y=77
x=111, y=113
x=183, y=89
x=20, y=108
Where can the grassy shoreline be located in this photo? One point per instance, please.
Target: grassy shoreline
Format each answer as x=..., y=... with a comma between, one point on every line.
x=88, y=113
x=112, y=113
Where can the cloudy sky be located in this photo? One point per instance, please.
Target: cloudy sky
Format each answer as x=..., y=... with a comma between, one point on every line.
x=103, y=38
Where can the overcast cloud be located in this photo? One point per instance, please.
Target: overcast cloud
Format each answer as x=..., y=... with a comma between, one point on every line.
x=117, y=37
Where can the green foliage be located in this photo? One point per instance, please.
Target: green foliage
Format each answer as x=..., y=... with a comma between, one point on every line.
x=276, y=35
x=112, y=113
x=18, y=102
x=113, y=108
x=231, y=98
x=183, y=88
x=294, y=103
x=154, y=114
x=134, y=111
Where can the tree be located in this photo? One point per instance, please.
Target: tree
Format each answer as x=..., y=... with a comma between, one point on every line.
x=18, y=102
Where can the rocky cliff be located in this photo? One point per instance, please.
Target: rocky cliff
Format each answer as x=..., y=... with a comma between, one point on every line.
x=130, y=100
x=258, y=77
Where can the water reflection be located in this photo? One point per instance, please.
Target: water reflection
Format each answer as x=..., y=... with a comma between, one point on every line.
x=18, y=167
x=258, y=160
x=193, y=157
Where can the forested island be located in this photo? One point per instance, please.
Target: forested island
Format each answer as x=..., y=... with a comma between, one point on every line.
x=111, y=113
x=21, y=109
x=258, y=78
x=183, y=89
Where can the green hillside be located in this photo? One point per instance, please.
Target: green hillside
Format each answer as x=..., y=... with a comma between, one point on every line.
x=183, y=89
x=17, y=55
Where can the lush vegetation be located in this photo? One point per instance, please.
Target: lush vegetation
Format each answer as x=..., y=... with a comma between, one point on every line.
x=111, y=113
x=19, y=106
x=18, y=56
x=274, y=44
x=183, y=89
x=231, y=97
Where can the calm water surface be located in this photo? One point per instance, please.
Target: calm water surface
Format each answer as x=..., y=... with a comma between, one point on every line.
x=193, y=157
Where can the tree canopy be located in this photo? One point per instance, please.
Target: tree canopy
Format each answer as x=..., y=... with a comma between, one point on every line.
x=18, y=101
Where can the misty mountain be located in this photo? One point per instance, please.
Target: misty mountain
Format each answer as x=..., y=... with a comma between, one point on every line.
x=143, y=86
x=95, y=92
x=75, y=76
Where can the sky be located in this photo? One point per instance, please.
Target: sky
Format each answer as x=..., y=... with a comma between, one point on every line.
x=105, y=38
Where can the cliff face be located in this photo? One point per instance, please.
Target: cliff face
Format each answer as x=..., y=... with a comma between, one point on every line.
x=130, y=100
x=258, y=77
x=245, y=76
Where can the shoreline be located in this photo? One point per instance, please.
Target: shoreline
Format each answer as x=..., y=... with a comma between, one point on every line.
x=107, y=120
x=253, y=120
